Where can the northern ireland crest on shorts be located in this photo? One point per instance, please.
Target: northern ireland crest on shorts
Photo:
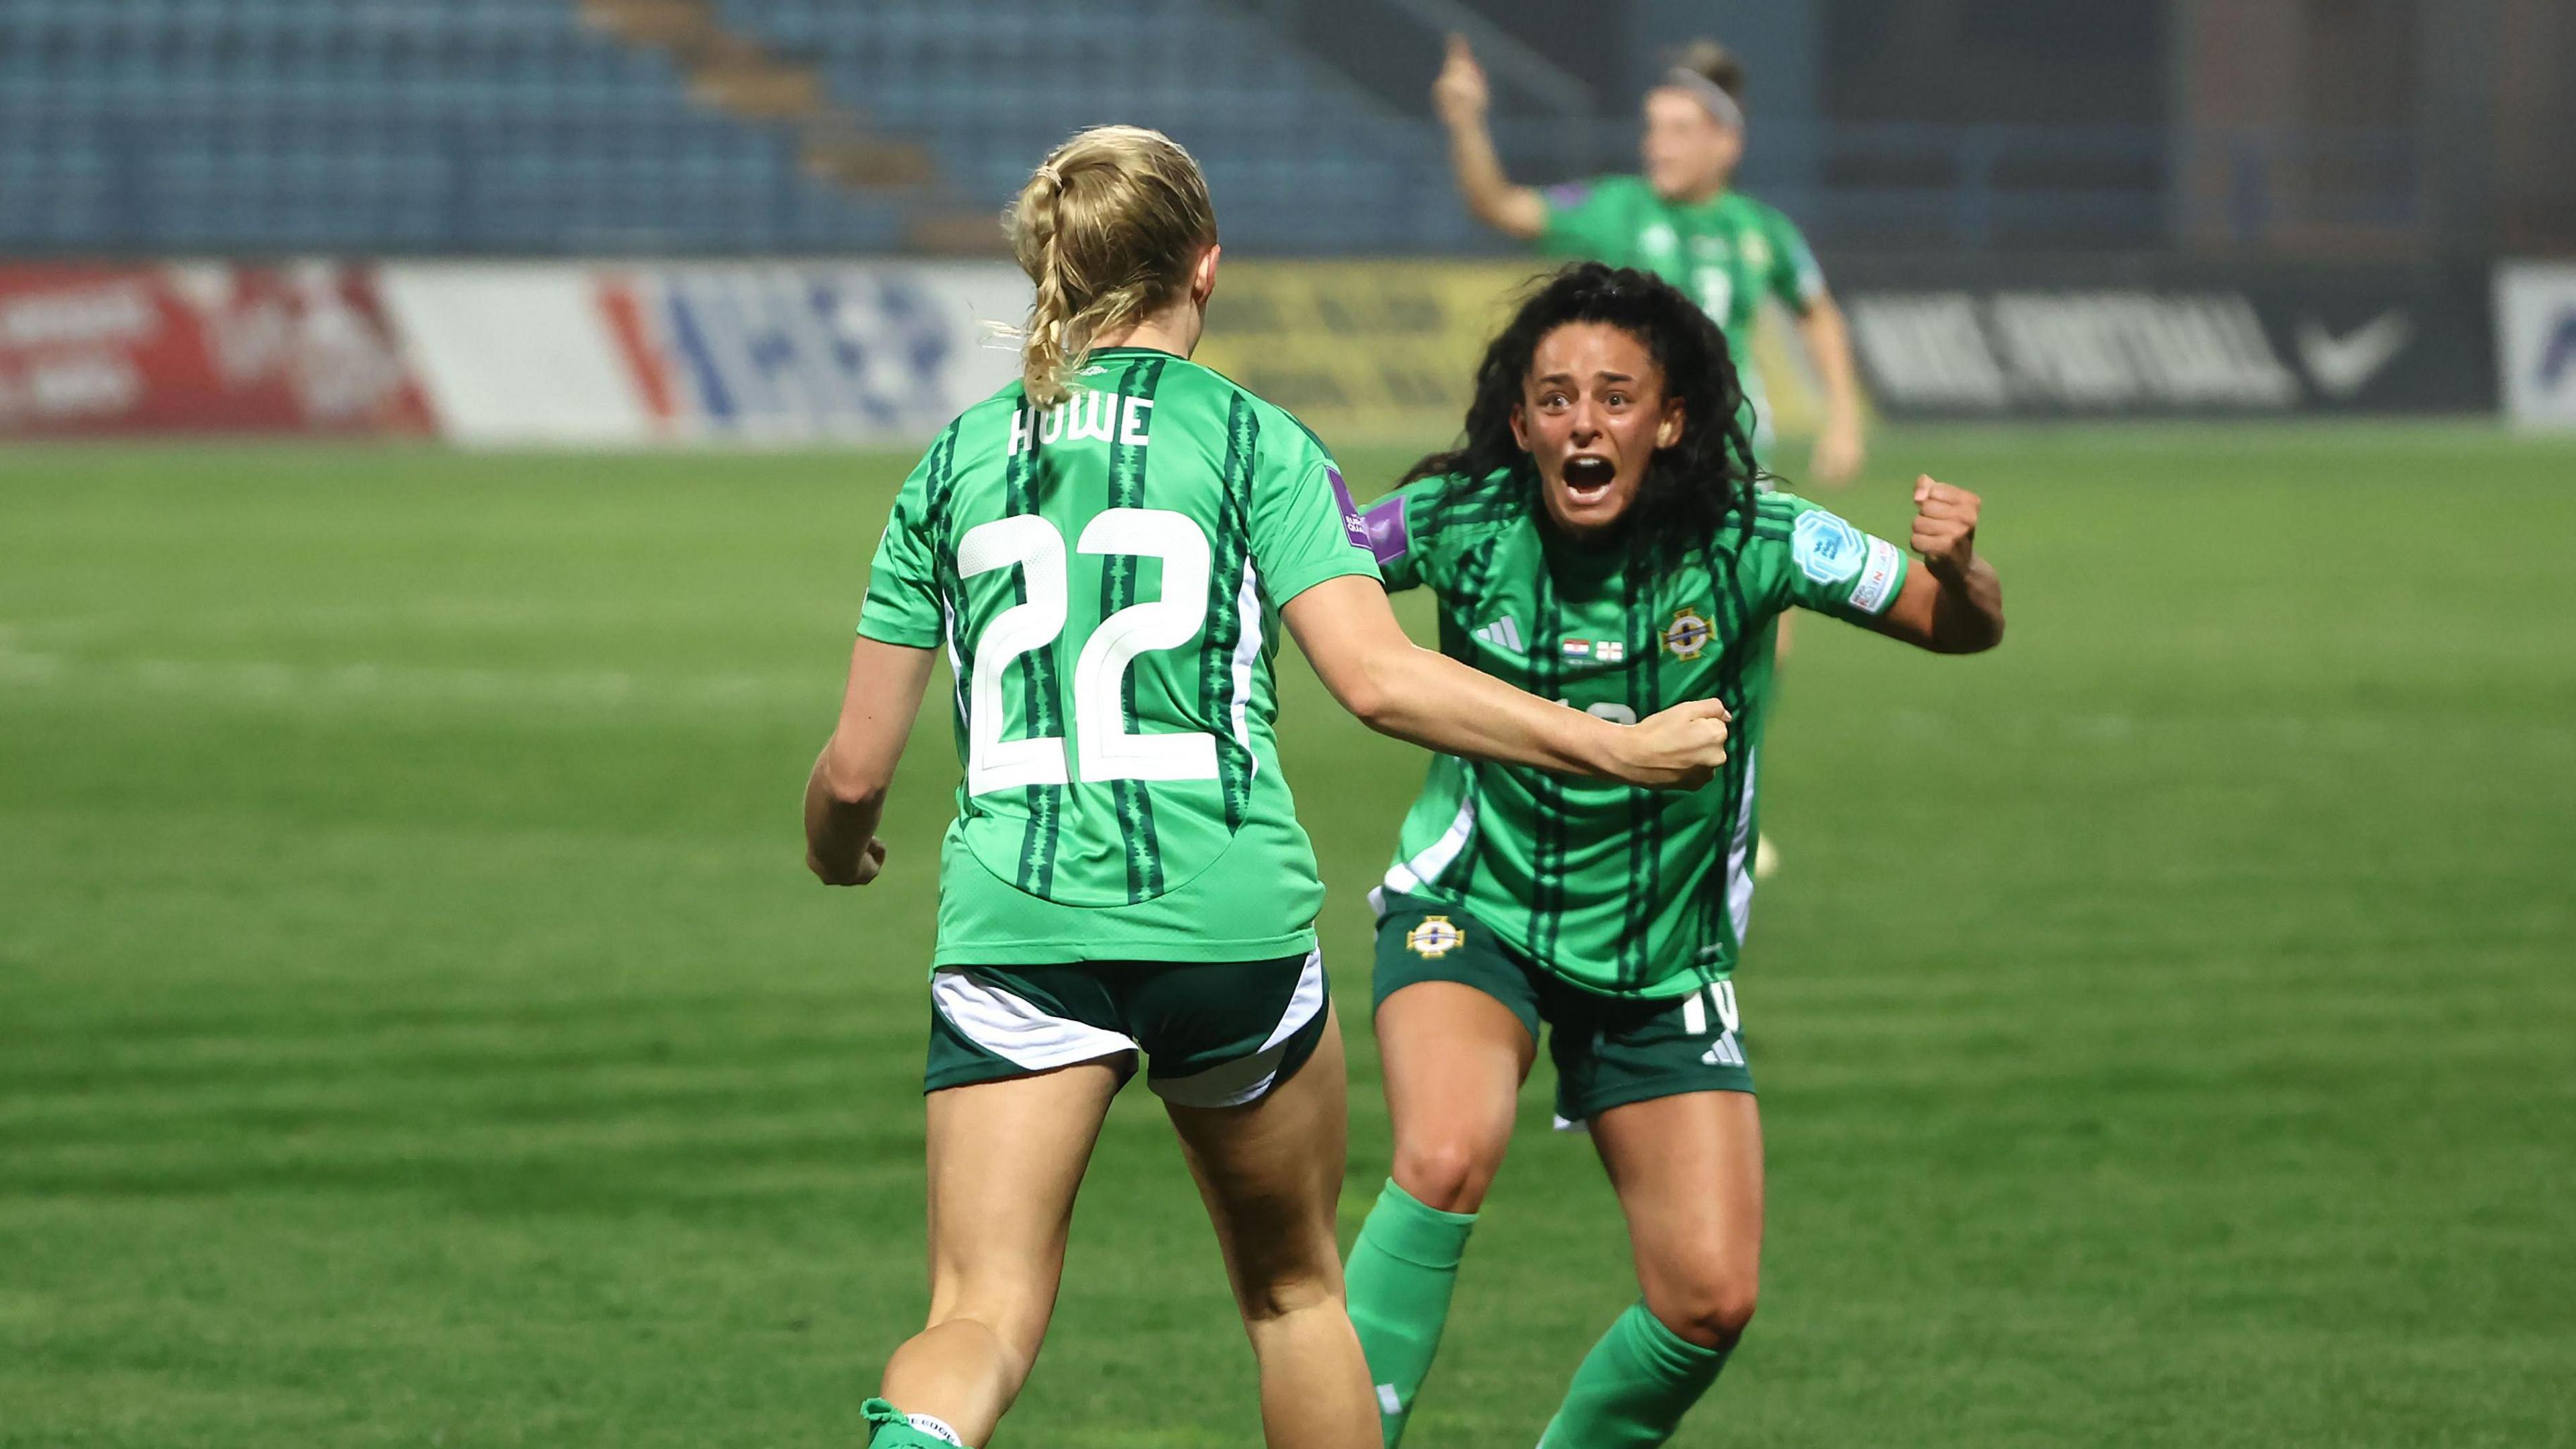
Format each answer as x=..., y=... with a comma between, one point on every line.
x=1687, y=634
x=1434, y=938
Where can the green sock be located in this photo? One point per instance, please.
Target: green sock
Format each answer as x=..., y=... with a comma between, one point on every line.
x=1401, y=1273
x=894, y=1429
x=1633, y=1387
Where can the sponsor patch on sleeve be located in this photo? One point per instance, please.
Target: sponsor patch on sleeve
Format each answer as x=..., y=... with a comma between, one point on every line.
x=1388, y=537
x=1827, y=550
x=1354, y=527
x=1569, y=194
x=1878, y=577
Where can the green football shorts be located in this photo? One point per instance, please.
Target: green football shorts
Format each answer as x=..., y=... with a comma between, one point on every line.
x=1218, y=1034
x=1609, y=1051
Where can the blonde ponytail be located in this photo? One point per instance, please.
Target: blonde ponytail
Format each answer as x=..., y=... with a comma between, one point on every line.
x=1107, y=229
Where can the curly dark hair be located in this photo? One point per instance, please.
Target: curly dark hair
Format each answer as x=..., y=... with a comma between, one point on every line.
x=1695, y=491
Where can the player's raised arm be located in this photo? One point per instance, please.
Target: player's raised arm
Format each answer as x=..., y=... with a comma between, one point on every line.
x=1462, y=97
x=1954, y=604
x=1398, y=688
x=845, y=795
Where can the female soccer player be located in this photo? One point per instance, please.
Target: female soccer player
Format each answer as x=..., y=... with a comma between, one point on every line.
x=1598, y=539
x=1106, y=550
x=1681, y=219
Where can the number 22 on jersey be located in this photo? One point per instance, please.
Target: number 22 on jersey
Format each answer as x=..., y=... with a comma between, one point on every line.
x=1108, y=750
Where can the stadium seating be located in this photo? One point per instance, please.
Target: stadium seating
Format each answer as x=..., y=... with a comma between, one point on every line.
x=508, y=126
x=460, y=125
x=1300, y=159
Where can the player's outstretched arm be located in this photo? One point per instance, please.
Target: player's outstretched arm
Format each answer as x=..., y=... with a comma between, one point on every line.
x=845, y=796
x=1954, y=604
x=1461, y=96
x=1397, y=688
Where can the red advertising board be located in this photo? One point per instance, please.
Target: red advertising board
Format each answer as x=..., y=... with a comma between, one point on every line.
x=209, y=347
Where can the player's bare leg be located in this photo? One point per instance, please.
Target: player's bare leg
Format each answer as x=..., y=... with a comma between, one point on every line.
x=1455, y=1060
x=1271, y=1174
x=1005, y=1160
x=1688, y=1171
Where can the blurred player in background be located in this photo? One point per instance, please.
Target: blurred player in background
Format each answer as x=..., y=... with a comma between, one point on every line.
x=1107, y=548
x=1599, y=539
x=1681, y=219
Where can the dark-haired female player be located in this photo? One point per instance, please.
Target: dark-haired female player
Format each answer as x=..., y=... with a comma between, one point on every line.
x=1599, y=540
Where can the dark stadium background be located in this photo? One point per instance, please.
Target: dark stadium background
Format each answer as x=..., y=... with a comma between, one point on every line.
x=441, y=443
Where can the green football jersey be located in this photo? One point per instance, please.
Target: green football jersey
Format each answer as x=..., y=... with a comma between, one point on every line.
x=1106, y=576
x=1623, y=891
x=1727, y=253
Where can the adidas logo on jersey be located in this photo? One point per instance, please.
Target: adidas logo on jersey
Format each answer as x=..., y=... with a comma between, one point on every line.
x=1503, y=633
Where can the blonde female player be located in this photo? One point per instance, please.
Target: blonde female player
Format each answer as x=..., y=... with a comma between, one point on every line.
x=1107, y=549
x=1599, y=540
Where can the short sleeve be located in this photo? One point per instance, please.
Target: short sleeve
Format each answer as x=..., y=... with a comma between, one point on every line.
x=1305, y=528
x=903, y=592
x=1392, y=522
x=1828, y=565
x=1583, y=220
x=1795, y=278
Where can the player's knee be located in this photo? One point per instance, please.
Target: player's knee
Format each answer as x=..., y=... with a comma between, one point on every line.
x=1279, y=1295
x=1711, y=1308
x=1450, y=1175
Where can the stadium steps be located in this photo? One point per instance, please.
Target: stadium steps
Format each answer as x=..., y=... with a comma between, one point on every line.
x=738, y=73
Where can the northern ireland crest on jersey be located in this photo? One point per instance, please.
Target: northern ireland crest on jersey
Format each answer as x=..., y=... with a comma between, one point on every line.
x=1687, y=634
x=1434, y=938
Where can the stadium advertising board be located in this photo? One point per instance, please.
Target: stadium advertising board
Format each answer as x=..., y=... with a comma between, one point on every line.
x=1364, y=351
x=200, y=347
x=870, y=353
x=2535, y=306
x=2132, y=338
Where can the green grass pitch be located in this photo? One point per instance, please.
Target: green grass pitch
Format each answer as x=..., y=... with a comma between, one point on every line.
x=417, y=1028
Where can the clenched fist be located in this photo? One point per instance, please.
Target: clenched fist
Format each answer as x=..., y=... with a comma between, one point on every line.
x=858, y=870
x=1945, y=527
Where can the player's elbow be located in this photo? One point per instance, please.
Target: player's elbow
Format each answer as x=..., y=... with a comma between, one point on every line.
x=1369, y=688
x=1367, y=698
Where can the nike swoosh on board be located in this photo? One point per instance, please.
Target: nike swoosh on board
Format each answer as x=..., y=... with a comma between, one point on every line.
x=2342, y=366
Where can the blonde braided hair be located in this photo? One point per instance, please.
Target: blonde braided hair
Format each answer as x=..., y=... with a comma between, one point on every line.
x=1107, y=228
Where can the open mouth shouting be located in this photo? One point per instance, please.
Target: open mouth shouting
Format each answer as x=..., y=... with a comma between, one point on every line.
x=1589, y=478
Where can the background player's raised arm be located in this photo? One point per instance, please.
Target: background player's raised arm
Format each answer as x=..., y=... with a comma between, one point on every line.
x=1462, y=97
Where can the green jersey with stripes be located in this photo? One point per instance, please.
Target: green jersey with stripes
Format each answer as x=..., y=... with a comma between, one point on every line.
x=1627, y=892
x=1106, y=577
x=1729, y=253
